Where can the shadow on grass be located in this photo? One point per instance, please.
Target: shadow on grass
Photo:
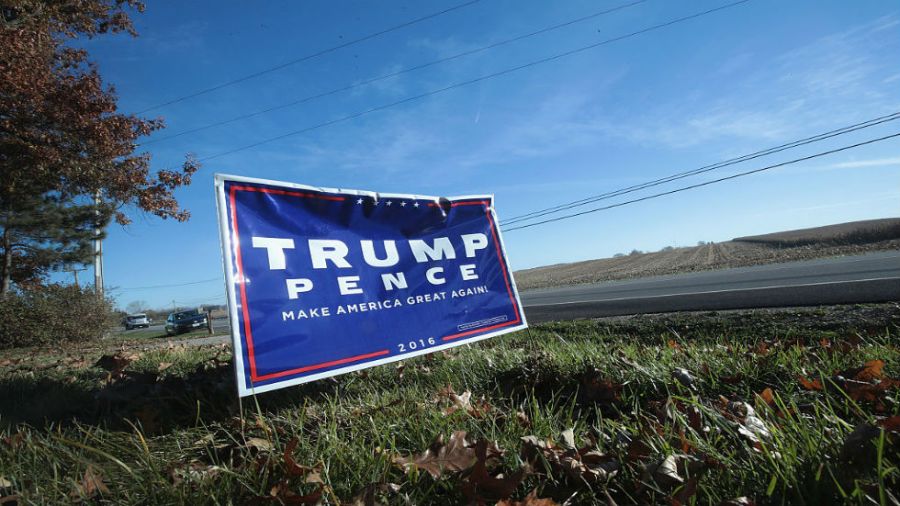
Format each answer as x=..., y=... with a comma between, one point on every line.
x=157, y=403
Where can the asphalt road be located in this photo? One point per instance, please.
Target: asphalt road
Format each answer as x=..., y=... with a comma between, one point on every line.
x=873, y=277
x=219, y=325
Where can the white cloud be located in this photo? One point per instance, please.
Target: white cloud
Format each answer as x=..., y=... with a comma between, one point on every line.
x=876, y=162
x=837, y=79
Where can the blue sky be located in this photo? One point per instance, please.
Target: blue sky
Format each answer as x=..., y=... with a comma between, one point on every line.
x=735, y=81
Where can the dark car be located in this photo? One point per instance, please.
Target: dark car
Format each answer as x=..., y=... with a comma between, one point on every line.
x=185, y=321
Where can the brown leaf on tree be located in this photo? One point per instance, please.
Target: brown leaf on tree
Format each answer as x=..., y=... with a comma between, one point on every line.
x=64, y=138
x=454, y=456
x=531, y=499
x=90, y=486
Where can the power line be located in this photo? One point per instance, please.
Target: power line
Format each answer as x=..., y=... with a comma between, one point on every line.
x=308, y=57
x=707, y=168
x=707, y=183
x=130, y=288
x=476, y=80
x=372, y=80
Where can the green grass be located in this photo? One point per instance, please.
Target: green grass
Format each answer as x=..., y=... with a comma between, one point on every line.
x=139, y=334
x=168, y=430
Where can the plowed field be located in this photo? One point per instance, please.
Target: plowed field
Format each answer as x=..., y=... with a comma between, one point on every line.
x=834, y=240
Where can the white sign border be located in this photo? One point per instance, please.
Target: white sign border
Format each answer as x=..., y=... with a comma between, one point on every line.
x=229, y=252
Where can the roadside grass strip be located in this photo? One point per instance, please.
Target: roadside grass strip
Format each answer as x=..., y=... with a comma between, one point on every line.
x=758, y=407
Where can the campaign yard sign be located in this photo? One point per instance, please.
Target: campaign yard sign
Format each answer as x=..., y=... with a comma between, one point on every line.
x=326, y=281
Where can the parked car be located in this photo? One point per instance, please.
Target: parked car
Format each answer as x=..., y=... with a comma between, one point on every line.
x=137, y=320
x=185, y=321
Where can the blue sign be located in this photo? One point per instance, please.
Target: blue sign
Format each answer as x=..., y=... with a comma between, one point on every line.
x=326, y=281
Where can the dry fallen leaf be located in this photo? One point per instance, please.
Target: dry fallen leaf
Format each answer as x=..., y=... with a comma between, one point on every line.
x=282, y=493
x=463, y=402
x=531, y=499
x=767, y=396
x=891, y=424
x=810, y=385
x=259, y=444
x=193, y=472
x=115, y=363
x=568, y=439
x=665, y=472
x=749, y=425
x=871, y=371
x=585, y=464
x=90, y=486
x=480, y=486
x=292, y=468
x=453, y=456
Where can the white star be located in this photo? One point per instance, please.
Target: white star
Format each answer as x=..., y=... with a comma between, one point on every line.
x=389, y=202
x=359, y=201
x=416, y=204
x=403, y=204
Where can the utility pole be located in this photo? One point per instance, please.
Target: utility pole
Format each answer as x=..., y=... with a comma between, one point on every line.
x=98, y=249
x=74, y=271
